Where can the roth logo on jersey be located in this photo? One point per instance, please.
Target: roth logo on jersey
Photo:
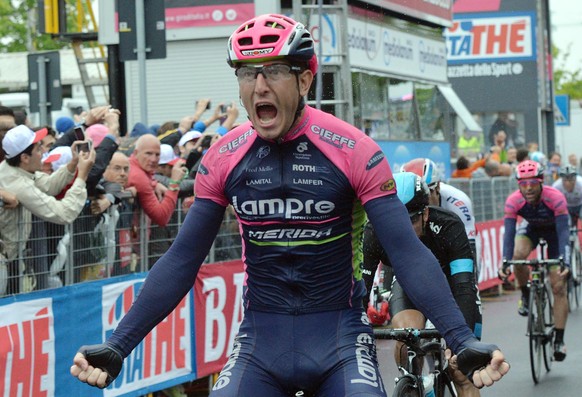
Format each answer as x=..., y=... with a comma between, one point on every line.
x=493, y=38
x=163, y=350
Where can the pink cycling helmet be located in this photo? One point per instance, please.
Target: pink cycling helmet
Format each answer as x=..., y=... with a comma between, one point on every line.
x=529, y=169
x=425, y=168
x=271, y=36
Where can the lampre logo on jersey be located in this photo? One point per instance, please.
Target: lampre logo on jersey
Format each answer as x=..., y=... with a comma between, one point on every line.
x=290, y=208
x=491, y=37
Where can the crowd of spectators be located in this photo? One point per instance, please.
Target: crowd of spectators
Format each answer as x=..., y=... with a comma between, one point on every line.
x=88, y=176
x=502, y=157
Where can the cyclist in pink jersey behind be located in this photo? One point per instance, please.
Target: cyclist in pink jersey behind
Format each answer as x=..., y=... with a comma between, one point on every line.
x=301, y=183
x=545, y=215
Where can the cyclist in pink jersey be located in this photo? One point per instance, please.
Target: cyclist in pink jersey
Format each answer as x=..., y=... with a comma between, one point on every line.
x=301, y=183
x=545, y=215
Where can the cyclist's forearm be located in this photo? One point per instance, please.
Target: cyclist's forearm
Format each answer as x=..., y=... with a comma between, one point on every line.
x=509, y=238
x=465, y=293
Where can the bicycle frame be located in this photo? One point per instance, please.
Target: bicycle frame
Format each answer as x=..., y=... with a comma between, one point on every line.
x=575, y=279
x=420, y=343
x=540, y=323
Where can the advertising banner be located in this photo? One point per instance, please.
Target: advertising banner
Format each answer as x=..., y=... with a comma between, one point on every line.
x=491, y=235
x=41, y=332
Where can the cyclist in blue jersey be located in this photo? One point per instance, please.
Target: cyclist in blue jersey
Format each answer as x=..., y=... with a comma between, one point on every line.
x=301, y=183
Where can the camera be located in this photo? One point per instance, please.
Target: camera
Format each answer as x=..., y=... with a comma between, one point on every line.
x=79, y=133
x=207, y=105
x=222, y=108
x=84, y=147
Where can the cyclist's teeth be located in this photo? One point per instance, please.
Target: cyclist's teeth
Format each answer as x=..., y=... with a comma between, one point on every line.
x=266, y=112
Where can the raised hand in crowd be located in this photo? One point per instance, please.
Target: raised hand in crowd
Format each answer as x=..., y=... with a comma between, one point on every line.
x=111, y=121
x=97, y=115
x=187, y=122
x=82, y=161
x=8, y=199
x=232, y=113
x=179, y=171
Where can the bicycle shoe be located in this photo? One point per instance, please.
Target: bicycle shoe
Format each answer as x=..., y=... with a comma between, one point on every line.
x=523, y=306
x=559, y=351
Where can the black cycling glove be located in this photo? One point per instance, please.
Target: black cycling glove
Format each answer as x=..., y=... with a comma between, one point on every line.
x=105, y=358
x=474, y=356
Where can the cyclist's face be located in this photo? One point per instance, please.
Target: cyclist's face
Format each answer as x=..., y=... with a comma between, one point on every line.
x=531, y=190
x=270, y=94
x=435, y=196
x=569, y=183
x=418, y=220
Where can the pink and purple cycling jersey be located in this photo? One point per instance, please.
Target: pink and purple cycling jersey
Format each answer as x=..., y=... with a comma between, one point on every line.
x=552, y=203
x=299, y=202
x=548, y=218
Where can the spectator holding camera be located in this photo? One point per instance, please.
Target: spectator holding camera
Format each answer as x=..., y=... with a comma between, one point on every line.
x=35, y=190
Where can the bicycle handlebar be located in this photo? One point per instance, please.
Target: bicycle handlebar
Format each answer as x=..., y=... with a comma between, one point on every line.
x=406, y=334
x=533, y=262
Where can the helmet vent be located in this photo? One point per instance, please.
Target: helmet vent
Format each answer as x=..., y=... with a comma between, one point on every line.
x=245, y=41
x=271, y=38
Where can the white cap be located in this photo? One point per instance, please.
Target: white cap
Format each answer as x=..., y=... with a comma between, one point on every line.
x=58, y=157
x=167, y=154
x=189, y=136
x=17, y=139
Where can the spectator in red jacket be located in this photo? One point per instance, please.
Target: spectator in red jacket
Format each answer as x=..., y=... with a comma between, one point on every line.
x=157, y=201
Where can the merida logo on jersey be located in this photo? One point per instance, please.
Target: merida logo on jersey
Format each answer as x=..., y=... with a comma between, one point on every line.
x=233, y=145
x=333, y=138
x=293, y=234
x=289, y=207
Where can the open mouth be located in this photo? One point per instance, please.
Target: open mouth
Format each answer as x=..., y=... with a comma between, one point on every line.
x=266, y=112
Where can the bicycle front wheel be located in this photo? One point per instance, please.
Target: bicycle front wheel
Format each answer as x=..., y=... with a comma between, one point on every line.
x=406, y=386
x=549, y=329
x=573, y=286
x=536, y=331
x=577, y=278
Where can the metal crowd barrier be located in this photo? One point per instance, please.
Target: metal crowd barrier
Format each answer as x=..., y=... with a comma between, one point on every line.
x=111, y=244
x=96, y=247
x=487, y=194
